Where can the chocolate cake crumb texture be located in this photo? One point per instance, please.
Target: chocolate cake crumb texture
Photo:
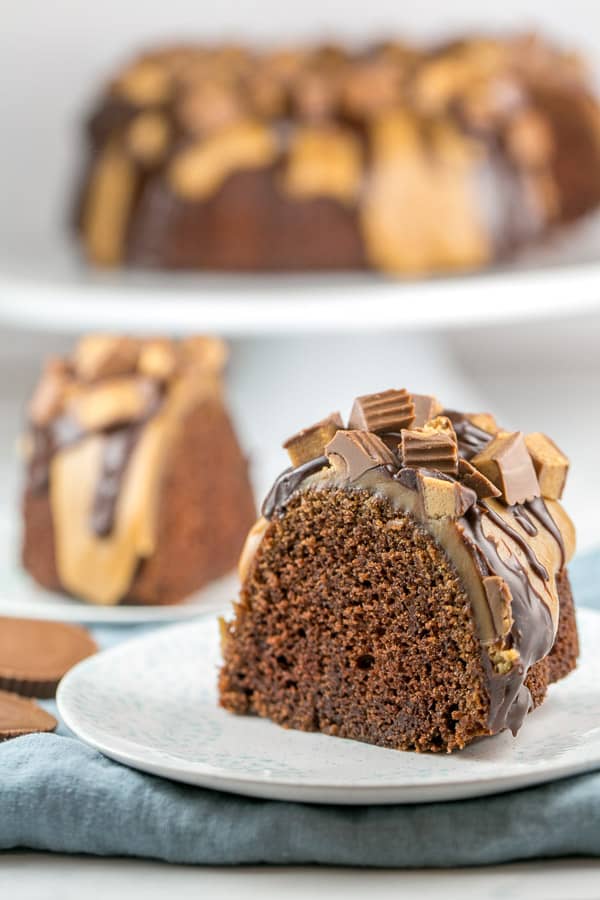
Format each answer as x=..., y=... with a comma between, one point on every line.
x=416, y=598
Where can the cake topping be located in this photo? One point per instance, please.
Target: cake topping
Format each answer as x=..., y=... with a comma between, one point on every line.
x=201, y=168
x=49, y=395
x=432, y=446
x=389, y=411
x=476, y=480
x=506, y=462
x=355, y=452
x=158, y=359
x=442, y=496
x=484, y=421
x=288, y=482
x=100, y=356
x=311, y=442
x=551, y=465
x=426, y=408
x=471, y=438
x=114, y=402
x=500, y=602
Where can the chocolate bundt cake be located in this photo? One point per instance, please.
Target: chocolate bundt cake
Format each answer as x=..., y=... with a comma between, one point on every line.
x=407, y=583
x=397, y=158
x=136, y=489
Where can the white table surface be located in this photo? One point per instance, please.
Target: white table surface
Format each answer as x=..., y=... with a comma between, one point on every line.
x=33, y=876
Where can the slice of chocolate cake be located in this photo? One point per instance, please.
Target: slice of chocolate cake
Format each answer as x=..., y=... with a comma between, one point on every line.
x=136, y=491
x=407, y=583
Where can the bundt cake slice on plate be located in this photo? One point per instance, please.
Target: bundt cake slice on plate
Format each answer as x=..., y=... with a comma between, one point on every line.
x=406, y=584
x=136, y=489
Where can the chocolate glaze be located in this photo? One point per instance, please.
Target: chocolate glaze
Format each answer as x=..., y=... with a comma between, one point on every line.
x=120, y=442
x=471, y=439
x=118, y=447
x=60, y=433
x=288, y=482
x=532, y=632
x=532, y=559
x=539, y=510
x=520, y=514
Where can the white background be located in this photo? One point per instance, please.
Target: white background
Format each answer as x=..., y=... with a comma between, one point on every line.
x=545, y=377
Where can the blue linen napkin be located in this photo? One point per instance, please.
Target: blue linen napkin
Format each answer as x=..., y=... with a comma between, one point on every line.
x=58, y=794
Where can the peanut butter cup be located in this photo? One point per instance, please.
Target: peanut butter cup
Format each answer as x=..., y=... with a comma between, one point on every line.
x=19, y=716
x=34, y=655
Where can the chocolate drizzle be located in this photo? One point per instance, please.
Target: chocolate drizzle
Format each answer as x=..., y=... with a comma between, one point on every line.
x=60, y=433
x=65, y=431
x=532, y=559
x=117, y=451
x=537, y=507
x=471, y=439
x=531, y=635
x=288, y=482
x=520, y=514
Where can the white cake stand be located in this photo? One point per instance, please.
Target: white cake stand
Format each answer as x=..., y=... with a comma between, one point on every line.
x=302, y=345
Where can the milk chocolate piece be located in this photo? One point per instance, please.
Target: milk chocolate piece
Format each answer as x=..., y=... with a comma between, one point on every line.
x=426, y=407
x=148, y=138
x=48, y=396
x=34, y=655
x=506, y=462
x=476, y=480
x=357, y=452
x=499, y=599
x=443, y=497
x=484, y=421
x=387, y=411
x=430, y=447
x=19, y=716
x=551, y=465
x=99, y=356
x=158, y=359
x=311, y=442
x=114, y=402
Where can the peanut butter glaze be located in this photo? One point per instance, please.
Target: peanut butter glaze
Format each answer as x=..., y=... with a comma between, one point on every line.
x=524, y=547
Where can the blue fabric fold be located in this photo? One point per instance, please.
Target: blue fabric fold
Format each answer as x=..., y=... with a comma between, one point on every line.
x=58, y=794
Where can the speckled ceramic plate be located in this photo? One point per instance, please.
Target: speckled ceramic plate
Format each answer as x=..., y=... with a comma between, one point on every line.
x=151, y=704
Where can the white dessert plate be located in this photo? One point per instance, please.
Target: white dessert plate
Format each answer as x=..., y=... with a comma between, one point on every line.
x=45, y=286
x=151, y=703
x=20, y=596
